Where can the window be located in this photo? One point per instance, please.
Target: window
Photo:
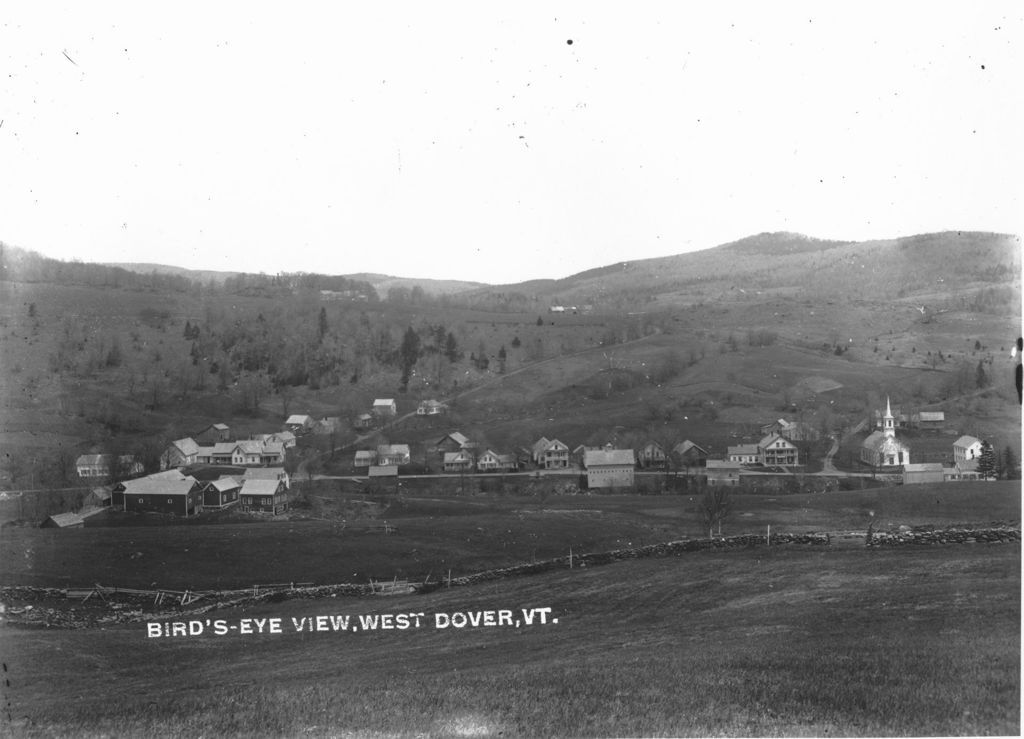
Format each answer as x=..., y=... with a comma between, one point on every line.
x=169, y=501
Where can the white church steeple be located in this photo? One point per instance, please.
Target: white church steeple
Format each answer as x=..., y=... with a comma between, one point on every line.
x=888, y=427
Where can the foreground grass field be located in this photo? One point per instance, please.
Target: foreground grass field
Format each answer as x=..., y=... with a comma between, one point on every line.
x=917, y=641
x=463, y=534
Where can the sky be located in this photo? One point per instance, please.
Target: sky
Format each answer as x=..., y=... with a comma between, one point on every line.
x=499, y=142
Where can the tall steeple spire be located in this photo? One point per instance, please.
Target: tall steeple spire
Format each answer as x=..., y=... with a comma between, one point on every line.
x=888, y=428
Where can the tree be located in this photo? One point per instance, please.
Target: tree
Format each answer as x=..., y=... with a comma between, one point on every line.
x=451, y=348
x=502, y=359
x=1009, y=469
x=409, y=353
x=516, y=343
x=540, y=321
x=322, y=324
x=715, y=507
x=987, y=460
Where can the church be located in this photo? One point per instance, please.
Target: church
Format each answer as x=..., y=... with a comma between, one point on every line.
x=882, y=448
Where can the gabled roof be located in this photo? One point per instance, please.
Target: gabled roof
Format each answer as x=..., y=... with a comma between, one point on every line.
x=966, y=441
x=460, y=456
x=455, y=436
x=772, y=438
x=383, y=401
x=931, y=416
x=223, y=483
x=65, y=520
x=544, y=445
x=223, y=448
x=298, y=419
x=745, y=449
x=365, y=454
x=600, y=457
x=390, y=449
x=923, y=467
x=383, y=470
x=186, y=446
x=653, y=445
x=540, y=445
x=263, y=473
x=159, y=486
x=260, y=486
x=685, y=446
x=92, y=459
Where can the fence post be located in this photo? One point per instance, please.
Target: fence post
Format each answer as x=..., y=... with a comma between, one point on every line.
x=570, y=558
x=769, y=534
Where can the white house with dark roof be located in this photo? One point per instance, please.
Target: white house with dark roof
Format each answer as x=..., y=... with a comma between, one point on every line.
x=774, y=450
x=743, y=453
x=460, y=461
x=550, y=454
x=491, y=461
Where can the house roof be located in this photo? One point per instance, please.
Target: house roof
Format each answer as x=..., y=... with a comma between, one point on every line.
x=272, y=447
x=364, y=416
x=966, y=441
x=223, y=483
x=389, y=449
x=159, y=486
x=544, y=445
x=771, y=439
x=506, y=458
x=603, y=457
x=723, y=464
x=187, y=446
x=685, y=446
x=100, y=493
x=298, y=419
x=366, y=454
x=383, y=470
x=932, y=416
x=64, y=520
x=459, y=456
x=260, y=486
x=383, y=401
x=923, y=467
x=166, y=475
x=455, y=436
x=540, y=444
x=263, y=473
x=751, y=449
x=91, y=459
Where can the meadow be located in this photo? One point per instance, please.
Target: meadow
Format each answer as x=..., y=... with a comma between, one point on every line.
x=781, y=642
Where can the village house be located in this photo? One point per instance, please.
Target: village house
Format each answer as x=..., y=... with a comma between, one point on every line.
x=161, y=494
x=923, y=472
x=393, y=454
x=363, y=421
x=882, y=448
x=722, y=472
x=610, y=468
x=576, y=455
x=107, y=465
x=71, y=520
x=431, y=408
x=385, y=407
x=743, y=453
x=221, y=493
x=775, y=451
x=100, y=497
x=266, y=473
x=213, y=433
x=652, y=455
x=550, y=454
x=490, y=461
x=248, y=453
x=460, y=461
x=452, y=442
x=285, y=438
x=383, y=471
x=689, y=454
x=791, y=430
x=965, y=449
x=180, y=453
x=929, y=420
x=264, y=496
x=365, y=458
x=299, y=424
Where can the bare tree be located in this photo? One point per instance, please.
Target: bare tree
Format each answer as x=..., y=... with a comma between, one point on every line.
x=715, y=507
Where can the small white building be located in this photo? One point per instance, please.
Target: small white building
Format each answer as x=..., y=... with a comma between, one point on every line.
x=385, y=407
x=610, y=468
x=965, y=449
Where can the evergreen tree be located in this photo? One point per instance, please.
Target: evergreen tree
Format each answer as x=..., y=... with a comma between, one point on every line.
x=987, y=460
x=409, y=353
x=540, y=321
x=451, y=348
x=1009, y=464
x=502, y=358
x=980, y=378
x=516, y=343
x=188, y=330
x=322, y=324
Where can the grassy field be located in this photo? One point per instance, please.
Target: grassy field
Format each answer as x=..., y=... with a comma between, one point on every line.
x=461, y=534
x=921, y=641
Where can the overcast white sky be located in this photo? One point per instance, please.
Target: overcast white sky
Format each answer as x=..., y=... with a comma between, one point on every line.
x=471, y=141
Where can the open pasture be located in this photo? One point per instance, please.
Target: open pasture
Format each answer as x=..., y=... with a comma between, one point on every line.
x=463, y=534
x=919, y=641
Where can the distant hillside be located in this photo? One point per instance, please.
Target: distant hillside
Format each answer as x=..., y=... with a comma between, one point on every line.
x=383, y=283
x=202, y=275
x=939, y=267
